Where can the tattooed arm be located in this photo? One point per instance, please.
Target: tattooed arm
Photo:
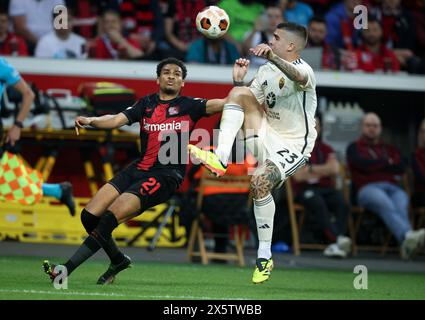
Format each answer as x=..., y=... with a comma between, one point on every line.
x=289, y=69
x=265, y=178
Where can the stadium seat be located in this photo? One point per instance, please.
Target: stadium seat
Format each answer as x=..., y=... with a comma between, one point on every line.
x=296, y=218
x=199, y=231
x=357, y=215
x=417, y=214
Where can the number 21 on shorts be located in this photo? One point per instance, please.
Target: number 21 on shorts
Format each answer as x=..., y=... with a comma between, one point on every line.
x=150, y=186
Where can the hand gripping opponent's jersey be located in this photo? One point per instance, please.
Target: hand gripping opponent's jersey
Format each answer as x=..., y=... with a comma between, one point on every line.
x=290, y=107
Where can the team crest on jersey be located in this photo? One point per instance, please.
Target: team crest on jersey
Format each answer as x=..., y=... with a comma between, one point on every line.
x=281, y=82
x=173, y=111
x=271, y=100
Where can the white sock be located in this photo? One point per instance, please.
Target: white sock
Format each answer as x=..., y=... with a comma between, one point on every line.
x=231, y=121
x=264, y=214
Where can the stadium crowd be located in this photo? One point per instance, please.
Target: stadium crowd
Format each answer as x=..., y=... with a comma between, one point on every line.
x=153, y=30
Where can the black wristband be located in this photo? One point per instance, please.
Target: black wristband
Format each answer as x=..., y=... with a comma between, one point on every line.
x=238, y=83
x=19, y=124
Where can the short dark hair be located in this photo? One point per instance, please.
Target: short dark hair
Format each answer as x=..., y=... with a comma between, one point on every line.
x=318, y=19
x=298, y=29
x=111, y=11
x=175, y=61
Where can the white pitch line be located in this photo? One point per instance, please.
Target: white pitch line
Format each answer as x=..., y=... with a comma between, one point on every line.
x=101, y=294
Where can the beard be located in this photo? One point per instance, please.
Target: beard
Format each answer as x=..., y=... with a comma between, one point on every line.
x=169, y=91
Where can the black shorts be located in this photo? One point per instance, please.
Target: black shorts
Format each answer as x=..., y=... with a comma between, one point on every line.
x=152, y=187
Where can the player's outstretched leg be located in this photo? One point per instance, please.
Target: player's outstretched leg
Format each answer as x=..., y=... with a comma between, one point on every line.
x=109, y=276
x=102, y=200
x=98, y=238
x=209, y=159
x=266, y=177
x=240, y=104
x=119, y=261
x=126, y=203
x=124, y=207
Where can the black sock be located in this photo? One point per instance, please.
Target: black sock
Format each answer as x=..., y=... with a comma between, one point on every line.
x=90, y=222
x=89, y=247
x=97, y=239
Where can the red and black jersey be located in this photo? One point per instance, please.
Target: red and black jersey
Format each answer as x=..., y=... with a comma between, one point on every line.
x=165, y=128
x=370, y=162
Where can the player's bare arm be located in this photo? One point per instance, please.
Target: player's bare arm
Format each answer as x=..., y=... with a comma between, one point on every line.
x=265, y=178
x=14, y=133
x=108, y=121
x=291, y=71
x=215, y=105
x=240, y=69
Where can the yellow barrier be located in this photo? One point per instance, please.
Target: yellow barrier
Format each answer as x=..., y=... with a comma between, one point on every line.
x=50, y=222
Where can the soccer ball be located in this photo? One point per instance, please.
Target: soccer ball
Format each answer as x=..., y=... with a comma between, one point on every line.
x=213, y=22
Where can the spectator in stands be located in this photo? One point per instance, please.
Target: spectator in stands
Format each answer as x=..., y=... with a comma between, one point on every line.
x=264, y=27
x=144, y=23
x=180, y=26
x=10, y=43
x=399, y=34
x=87, y=13
x=373, y=55
x=296, y=11
x=418, y=165
x=340, y=27
x=62, y=43
x=9, y=76
x=374, y=167
x=315, y=189
x=111, y=43
x=32, y=19
x=213, y=51
x=317, y=30
x=242, y=14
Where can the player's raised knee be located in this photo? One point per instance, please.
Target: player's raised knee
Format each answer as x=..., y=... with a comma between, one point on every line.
x=239, y=95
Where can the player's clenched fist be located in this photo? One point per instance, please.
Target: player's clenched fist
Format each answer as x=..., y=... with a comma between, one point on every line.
x=242, y=62
x=240, y=69
x=80, y=122
x=262, y=50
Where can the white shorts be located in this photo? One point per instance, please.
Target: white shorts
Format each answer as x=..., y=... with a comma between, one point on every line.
x=268, y=144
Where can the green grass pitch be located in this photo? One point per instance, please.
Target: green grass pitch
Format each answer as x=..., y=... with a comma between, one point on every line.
x=22, y=278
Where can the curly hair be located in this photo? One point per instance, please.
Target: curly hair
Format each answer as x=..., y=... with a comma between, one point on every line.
x=175, y=61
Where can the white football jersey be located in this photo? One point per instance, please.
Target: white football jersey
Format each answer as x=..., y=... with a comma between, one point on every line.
x=290, y=107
